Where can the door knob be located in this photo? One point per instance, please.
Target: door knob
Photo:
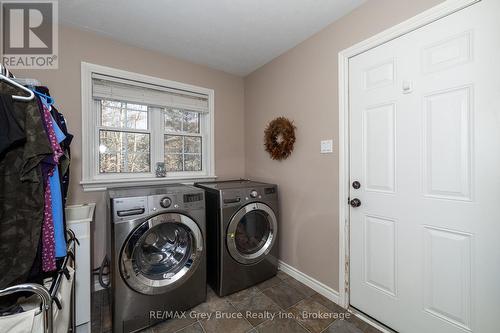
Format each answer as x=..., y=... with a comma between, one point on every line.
x=355, y=202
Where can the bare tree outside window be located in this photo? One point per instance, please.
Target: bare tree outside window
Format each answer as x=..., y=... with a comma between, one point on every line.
x=183, y=141
x=124, y=140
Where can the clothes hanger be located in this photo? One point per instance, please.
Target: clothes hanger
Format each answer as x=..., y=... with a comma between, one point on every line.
x=4, y=71
x=14, y=83
x=49, y=99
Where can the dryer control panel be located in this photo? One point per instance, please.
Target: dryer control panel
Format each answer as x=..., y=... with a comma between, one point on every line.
x=241, y=196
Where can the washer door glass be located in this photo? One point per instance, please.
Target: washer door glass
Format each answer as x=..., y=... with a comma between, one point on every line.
x=161, y=253
x=163, y=250
x=251, y=233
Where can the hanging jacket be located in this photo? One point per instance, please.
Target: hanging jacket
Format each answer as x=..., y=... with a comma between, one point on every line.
x=11, y=132
x=22, y=193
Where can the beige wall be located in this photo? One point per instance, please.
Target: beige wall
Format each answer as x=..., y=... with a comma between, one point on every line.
x=77, y=46
x=302, y=85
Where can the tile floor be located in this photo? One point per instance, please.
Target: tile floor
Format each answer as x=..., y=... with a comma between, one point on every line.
x=295, y=307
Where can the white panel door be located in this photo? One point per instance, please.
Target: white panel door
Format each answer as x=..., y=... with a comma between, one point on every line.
x=425, y=147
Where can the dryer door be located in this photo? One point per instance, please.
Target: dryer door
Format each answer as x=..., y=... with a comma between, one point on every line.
x=161, y=253
x=251, y=233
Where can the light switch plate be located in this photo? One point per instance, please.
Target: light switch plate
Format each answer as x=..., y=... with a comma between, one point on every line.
x=326, y=146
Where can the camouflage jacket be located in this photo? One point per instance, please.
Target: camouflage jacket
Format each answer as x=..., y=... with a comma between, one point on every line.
x=21, y=193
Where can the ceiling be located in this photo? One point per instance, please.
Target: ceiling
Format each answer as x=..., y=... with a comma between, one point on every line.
x=236, y=36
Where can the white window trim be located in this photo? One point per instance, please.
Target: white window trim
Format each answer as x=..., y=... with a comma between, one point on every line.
x=91, y=181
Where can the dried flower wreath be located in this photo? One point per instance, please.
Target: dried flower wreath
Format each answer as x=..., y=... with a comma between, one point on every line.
x=279, y=138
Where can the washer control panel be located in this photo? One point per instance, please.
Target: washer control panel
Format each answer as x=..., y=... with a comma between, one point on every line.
x=129, y=208
x=125, y=206
x=176, y=201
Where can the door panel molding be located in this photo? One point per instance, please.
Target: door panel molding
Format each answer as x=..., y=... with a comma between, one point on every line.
x=435, y=13
x=379, y=242
x=448, y=53
x=448, y=147
x=380, y=75
x=379, y=147
x=439, y=243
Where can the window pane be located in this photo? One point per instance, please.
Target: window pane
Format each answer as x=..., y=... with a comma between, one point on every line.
x=173, y=162
x=137, y=119
x=183, y=153
x=108, y=163
x=191, y=122
x=138, y=162
x=177, y=120
x=192, y=144
x=173, y=144
x=124, y=115
x=173, y=120
x=111, y=116
x=124, y=152
x=192, y=162
x=137, y=143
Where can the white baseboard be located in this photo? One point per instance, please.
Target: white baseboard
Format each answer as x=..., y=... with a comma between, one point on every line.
x=312, y=283
x=328, y=292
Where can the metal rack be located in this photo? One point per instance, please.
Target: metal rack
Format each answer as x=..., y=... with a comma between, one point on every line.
x=48, y=296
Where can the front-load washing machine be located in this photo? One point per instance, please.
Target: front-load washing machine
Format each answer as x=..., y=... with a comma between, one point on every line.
x=158, y=260
x=242, y=233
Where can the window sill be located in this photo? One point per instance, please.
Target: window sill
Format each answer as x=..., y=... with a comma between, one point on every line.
x=103, y=185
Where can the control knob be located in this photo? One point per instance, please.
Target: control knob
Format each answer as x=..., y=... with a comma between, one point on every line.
x=165, y=202
x=254, y=194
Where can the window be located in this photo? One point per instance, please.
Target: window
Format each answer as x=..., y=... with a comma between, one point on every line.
x=124, y=138
x=133, y=122
x=183, y=140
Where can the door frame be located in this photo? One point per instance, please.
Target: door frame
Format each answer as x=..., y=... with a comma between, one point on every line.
x=433, y=14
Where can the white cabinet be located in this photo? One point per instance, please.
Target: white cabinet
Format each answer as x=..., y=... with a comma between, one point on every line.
x=78, y=219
